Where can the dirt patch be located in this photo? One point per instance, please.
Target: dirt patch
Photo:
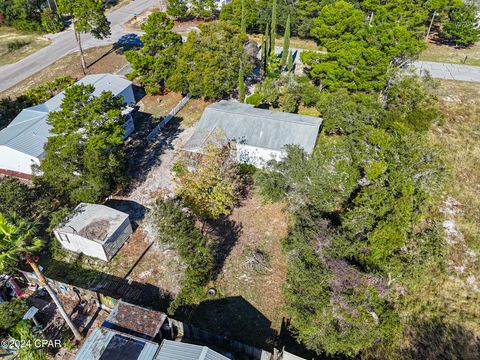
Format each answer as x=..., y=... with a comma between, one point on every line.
x=191, y=113
x=104, y=59
x=251, y=307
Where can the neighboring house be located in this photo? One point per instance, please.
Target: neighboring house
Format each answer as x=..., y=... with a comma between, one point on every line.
x=133, y=332
x=95, y=230
x=174, y=350
x=22, y=141
x=259, y=135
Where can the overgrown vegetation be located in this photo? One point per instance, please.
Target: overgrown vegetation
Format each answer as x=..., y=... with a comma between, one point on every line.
x=361, y=230
x=31, y=15
x=177, y=228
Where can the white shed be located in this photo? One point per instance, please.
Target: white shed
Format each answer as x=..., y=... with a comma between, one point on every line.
x=94, y=230
x=22, y=141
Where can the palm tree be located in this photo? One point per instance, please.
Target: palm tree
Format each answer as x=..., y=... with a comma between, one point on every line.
x=18, y=239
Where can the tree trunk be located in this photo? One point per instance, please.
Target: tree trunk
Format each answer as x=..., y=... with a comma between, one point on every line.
x=55, y=299
x=431, y=23
x=79, y=43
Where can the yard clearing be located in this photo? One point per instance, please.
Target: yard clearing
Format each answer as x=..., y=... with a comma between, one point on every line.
x=295, y=42
x=250, y=281
x=103, y=59
x=15, y=45
x=451, y=55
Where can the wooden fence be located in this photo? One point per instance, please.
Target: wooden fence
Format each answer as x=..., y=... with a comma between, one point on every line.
x=167, y=118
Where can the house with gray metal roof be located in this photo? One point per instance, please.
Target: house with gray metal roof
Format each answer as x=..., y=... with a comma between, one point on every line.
x=22, y=141
x=174, y=350
x=94, y=230
x=259, y=135
x=108, y=344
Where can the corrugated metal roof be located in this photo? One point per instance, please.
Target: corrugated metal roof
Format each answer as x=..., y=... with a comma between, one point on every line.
x=32, y=136
x=106, y=344
x=173, y=350
x=135, y=320
x=93, y=221
x=257, y=127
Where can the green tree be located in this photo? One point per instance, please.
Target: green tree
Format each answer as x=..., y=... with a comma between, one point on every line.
x=237, y=10
x=17, y=237
x=241, y=84
x=155, y=61
x=462, y=25
x=203, y=9
x=51, y=21
x=208, y=62
x=243, y=22
x=177, y=228
x=273, y=27
x=11, y=312
x=88, y=16
x=286, y=43
x=208, y=182
x=84, y=157
x=178, y=9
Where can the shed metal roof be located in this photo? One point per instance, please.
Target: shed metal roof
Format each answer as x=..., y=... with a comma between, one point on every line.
x=31, y=136
x=135, y=320
x=173, y=350
x=93, y=221
x=106, y=344
x=261, y=128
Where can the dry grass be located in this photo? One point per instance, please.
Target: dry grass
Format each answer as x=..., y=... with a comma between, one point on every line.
x=445, y=307
x=451, y=54
x=160, y=105
x=251, y=305
x=31, y=42
x=295, y=42
x=104, y=59
x=191, y=112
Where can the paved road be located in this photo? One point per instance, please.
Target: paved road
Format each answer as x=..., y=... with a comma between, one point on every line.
x=449, y=71
x=64, y=43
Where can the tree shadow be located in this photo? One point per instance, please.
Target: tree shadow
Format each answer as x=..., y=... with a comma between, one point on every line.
x=135, y=210
x=435, y=339
x=229, y=319
x=225, y=233
x=142, y=294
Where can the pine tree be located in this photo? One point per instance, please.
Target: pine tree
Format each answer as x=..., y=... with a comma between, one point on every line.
x=241, y=84
x=243, y=24
x=273, y=28
x=266, y=47
x=290, y=61
x=286, y=42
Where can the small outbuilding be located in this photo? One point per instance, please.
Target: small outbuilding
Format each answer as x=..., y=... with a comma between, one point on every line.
x=94, y=230
x=259, y=135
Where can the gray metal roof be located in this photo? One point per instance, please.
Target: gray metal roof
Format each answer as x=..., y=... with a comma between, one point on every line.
x=93, y=221
x=173, y=350
x=29, y=131
x=256, y=127
x=106, y=344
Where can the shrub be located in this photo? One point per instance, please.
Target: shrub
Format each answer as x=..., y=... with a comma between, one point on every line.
x=11, y=312
x=17, y=44
x=255, y=99
x=51, y=22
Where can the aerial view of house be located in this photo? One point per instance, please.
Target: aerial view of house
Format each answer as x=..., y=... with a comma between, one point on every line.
x=239, y=179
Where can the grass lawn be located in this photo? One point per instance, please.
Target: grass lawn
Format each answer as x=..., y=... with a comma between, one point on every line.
x=450, y=54
x=103, y=59
x=15, y=45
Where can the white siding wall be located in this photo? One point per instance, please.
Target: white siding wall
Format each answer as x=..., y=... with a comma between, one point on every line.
x=78, y=243
x=128, y=97
x=11, y=159
x=257, y=156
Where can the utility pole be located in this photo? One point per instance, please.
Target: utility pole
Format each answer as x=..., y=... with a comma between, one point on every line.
x=431, y=23
x=43, y=281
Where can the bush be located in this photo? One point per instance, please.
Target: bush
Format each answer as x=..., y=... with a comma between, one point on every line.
x=11, y=312
x=16, y=44
x=255, y=99
x=51, y=22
